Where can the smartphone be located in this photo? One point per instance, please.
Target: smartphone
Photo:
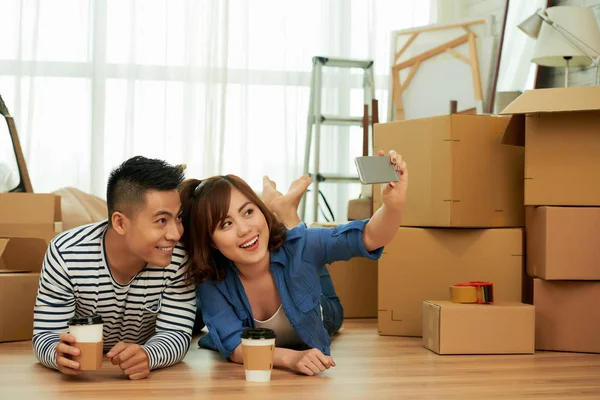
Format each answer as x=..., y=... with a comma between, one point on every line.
x=376, y=169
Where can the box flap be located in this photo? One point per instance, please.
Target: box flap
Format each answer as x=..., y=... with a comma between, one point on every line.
x=23, y=254
x=579, y=98
x=3, y=243
x=514, y=134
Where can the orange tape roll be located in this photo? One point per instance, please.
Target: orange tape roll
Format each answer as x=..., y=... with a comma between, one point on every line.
x=463, y=294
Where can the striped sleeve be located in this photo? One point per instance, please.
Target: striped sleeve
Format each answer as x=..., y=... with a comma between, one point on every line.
x=54, y=305
x=174, y=323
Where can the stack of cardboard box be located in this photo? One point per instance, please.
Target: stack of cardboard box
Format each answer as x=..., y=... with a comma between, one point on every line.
x=463, y=219
x=561, y=138
x=27, y=224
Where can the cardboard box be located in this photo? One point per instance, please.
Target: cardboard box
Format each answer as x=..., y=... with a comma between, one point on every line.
x=361, y=208
x=501, y=328
x=460, y=173
x=421, y=264
x=29, y=215
x=563, y=243
x=562, y=144
x=18, y=288
x=28, y=222
x=18, y=291
x=355, y=283
x=567, y=315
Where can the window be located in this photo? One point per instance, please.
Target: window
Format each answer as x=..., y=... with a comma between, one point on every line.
x=208, y=83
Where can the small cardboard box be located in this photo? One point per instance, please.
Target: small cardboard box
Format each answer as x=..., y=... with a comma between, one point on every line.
x=500, y=328
x=355, y=283
x=560, y=133
x=421, y=264
x=562, y=242
x=567, y=315
x=461, y=175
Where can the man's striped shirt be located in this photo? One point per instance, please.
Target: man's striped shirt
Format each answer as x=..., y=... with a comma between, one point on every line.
x=156, y=309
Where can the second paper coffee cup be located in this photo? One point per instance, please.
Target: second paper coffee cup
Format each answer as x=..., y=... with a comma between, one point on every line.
x=88, y=339
x=258, y=350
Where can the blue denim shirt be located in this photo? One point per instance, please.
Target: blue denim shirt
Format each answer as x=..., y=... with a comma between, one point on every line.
x=295, y=267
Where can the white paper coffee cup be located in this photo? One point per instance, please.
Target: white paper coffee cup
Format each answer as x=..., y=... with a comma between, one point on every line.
x=88, y=339
x=258, y=350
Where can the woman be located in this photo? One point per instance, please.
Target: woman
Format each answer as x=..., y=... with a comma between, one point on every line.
x=285, y=207
x=253, y=272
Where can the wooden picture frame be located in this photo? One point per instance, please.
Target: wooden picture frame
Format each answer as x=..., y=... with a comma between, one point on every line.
x=396, y=108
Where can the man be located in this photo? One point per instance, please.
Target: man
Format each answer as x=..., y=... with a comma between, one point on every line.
x=129, y=270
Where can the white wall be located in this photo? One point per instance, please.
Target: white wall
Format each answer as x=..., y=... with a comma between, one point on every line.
x=484, y=8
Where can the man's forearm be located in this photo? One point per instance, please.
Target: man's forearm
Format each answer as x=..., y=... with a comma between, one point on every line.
x=167, y=348
x=44, y=347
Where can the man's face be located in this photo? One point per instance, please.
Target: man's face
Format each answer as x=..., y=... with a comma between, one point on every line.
x=155, y=228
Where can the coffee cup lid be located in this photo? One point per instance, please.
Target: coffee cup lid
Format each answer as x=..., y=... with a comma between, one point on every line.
x=90, y=320
x=258, y=333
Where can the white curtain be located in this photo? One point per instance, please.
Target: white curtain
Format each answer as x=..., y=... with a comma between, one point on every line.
x=221, y=85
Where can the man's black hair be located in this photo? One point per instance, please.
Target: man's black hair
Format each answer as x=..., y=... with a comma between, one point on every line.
x=129, y=182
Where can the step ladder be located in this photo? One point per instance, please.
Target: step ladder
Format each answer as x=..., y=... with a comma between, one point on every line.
x=316, y=119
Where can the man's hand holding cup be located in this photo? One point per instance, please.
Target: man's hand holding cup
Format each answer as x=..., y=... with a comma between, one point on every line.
x=64, y=351
x=81, y=348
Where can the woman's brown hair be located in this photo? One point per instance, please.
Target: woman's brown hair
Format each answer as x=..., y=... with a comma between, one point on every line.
x=204, y=205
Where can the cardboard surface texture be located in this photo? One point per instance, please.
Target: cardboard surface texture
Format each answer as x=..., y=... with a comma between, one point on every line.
x=421, y=264
x=18, y=290
x=561, y=135
x=28, y=215
x=461, y=175
x=355, y=283
x=361, y=208
x=563, y=243
x=567, y=316
x=25, y=254
x=501, y=328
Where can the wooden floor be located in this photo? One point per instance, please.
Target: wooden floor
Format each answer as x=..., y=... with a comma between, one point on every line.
x=368, y=367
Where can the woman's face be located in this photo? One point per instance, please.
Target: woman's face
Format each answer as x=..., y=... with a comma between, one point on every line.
x=243, y=236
